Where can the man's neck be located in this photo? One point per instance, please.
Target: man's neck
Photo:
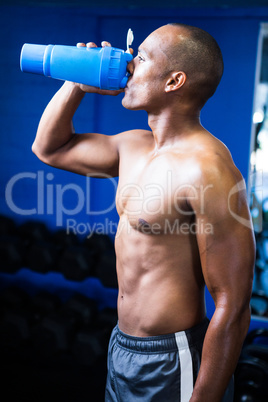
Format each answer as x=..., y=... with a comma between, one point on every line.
x=168, y=127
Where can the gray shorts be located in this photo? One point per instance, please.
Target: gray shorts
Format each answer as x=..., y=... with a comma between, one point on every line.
x=157, y=368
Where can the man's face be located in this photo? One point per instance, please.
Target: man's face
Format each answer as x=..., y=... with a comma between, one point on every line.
x=146, y=85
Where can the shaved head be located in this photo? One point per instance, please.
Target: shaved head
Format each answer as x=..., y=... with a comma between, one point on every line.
x=196, y=53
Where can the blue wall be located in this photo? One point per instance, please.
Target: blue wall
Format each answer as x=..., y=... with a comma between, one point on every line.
x=31, y=190
x=36, y=191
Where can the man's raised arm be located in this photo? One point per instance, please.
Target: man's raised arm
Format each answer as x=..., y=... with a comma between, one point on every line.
x=58, y=145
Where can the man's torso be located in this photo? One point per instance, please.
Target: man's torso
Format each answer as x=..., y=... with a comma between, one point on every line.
x=161, y=285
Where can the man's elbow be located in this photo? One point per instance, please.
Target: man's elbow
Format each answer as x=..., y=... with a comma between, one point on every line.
x=236, y=310
x=240, y=315
x=244, y=319
x=37, y=150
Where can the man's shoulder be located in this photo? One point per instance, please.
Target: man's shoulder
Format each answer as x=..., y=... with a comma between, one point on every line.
x=136, y=134
x=214, y=162
x=218, y=185
x=134, y=138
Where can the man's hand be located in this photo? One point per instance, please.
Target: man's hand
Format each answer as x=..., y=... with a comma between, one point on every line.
x=90, y=89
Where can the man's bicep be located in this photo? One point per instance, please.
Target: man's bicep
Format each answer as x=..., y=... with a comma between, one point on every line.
x=227, y=259
x=88, y=154
x=226, y=242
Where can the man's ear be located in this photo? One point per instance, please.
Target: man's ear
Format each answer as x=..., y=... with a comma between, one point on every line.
x=176, y=81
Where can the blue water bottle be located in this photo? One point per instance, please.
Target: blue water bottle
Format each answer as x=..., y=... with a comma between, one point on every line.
x=105, y=68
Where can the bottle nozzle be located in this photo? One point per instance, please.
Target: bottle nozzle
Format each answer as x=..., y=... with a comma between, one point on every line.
x=130, y=38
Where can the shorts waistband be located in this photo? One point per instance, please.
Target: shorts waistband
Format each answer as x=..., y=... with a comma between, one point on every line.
x=163, y=343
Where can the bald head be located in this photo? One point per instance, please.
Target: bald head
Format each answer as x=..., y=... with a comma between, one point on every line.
x=196, y=53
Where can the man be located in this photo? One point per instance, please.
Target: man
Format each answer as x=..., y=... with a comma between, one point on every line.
x=184, y=222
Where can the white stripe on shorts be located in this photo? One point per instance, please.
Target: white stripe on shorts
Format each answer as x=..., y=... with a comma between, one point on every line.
x=186, y=366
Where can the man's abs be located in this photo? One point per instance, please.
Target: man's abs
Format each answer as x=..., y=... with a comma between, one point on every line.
x=161, y=287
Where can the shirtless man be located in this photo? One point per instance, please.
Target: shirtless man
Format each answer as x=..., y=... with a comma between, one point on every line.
x=184, y=222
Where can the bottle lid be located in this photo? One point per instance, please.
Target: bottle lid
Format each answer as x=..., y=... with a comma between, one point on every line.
x=113, y=69
x=31, y=58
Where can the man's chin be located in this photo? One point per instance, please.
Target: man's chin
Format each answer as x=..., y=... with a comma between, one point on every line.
x=129, y=105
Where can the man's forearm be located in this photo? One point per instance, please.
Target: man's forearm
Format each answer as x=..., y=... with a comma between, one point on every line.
x=55, y=128
x=221, y=351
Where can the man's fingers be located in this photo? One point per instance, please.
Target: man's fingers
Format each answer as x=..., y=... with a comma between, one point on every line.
x=105, y=43
x=91, y=44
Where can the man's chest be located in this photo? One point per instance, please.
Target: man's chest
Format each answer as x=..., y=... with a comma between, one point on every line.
x=156, y=191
